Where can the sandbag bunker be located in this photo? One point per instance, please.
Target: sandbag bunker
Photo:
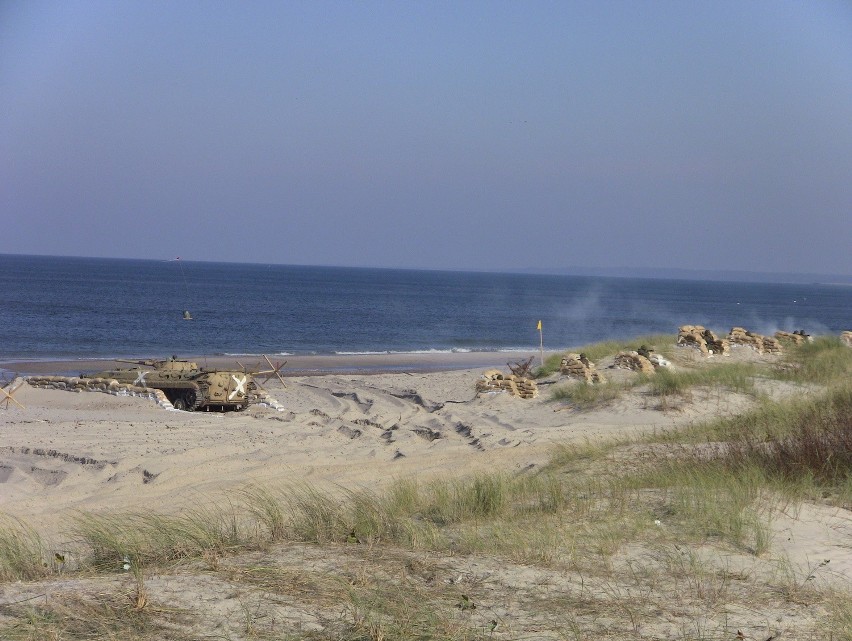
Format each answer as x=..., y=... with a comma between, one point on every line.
x=580, y=367
x=702, y=339
x=643, y=360
x=496, y=381
x=709, y=344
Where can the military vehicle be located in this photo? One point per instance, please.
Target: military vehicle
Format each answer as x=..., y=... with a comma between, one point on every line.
x=186, y=385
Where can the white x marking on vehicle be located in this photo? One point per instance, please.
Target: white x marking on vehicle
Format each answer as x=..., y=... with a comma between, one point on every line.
x=241, y=387
x=140, y=380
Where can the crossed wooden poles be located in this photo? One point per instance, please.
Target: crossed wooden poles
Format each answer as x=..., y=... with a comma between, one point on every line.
x=522, y=368
x=10, y=395
x=269, y=373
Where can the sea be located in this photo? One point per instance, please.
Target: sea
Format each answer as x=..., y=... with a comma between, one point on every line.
x=56, y=308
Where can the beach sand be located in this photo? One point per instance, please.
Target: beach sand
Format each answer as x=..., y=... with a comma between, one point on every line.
x=92, y=451
x=417, y=416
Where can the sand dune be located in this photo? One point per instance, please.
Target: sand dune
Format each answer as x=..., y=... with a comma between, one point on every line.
x=65, y=452
x=93, y=451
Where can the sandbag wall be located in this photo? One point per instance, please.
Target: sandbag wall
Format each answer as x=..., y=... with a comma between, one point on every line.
x=702, y=339
x=633, y=361
x=758, y=342
x=106, y=385
x=580, y=367
x=796, y=338
x=495, y=381
x=263, y=399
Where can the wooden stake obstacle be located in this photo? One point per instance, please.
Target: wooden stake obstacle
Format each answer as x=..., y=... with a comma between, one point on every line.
x=276, y=371
x=266, y=373
x=521, y=368
x=10, y=395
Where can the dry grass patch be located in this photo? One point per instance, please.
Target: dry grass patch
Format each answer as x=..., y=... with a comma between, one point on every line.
x=816, y=442
x=115, y=614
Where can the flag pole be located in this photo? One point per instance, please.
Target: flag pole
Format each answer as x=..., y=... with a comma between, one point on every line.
x=541, y=343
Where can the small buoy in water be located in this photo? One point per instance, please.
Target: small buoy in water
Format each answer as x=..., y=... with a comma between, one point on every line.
x=187, y=315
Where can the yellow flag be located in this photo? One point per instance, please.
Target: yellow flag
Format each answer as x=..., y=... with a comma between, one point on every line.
x=539, y=326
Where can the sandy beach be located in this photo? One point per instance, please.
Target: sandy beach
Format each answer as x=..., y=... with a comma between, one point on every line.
x=91, y=451
x=411, y=416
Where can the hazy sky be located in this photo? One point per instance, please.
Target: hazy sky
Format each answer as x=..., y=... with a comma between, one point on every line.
x=450, y=135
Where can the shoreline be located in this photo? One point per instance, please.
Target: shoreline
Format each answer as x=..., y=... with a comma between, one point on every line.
x=297, y=365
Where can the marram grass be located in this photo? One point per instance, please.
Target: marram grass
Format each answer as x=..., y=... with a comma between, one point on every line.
x=23, y=556
x=583, y=395
x=116, y=539
x=826, y=361
x=735, y=377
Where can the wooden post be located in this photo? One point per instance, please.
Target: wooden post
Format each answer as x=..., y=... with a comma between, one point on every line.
x=541, y=343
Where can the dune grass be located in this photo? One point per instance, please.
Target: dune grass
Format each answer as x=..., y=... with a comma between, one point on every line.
x=409, y=514
x=703, y=492
x=735, y=377
x=840, y=609
x=115, y=540
x=825, y=361
x=814, y=441
x=556, y=520
x=23, y=554
x=490, y=511
x=584, y=396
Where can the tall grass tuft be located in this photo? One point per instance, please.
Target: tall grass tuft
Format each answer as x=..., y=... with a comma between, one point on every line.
x=767, y=420
x=487, y=495
x=22, y=552
x=551, y=365
x=315, y=516
x=117, y=540
x=711, y=502
x=816, y=443
x=585, y=395
x=825, y=360
x=840, y=609
x=268, y=510
x=736, y=377
x=410, y=513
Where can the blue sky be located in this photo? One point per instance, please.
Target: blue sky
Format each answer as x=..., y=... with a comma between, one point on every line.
x=475, y=135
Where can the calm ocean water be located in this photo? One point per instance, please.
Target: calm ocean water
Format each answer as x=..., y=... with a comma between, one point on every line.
x=85, y=308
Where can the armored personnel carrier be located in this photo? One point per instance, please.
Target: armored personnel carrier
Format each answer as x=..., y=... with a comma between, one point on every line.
x=186, y=385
